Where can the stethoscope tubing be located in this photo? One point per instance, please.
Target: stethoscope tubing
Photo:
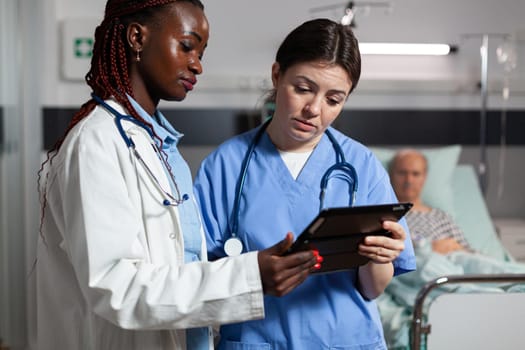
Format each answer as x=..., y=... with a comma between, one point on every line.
x=242, y=178
x=118, y=121
x=169, y=199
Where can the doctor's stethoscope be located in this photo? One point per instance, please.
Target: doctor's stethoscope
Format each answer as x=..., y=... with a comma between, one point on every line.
x=233, y=245
x=169, y=199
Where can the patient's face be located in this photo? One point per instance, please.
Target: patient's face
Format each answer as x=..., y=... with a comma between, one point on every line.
x=408, y=176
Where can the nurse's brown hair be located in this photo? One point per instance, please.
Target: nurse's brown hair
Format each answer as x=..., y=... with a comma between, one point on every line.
x=320, y=40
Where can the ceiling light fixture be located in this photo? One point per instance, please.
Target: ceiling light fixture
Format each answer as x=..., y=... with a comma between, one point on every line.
x=406, y=49
x=351, y=8
x=348, y=18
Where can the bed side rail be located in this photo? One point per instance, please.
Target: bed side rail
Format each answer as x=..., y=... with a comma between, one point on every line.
x=418, y=328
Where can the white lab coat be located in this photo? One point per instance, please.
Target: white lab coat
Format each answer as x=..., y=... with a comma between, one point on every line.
x=110, y=270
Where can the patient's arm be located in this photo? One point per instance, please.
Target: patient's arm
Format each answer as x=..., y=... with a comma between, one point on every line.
x=446, y=245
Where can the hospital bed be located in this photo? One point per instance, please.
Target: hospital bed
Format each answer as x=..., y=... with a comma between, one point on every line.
x=457, y=311
x=469, y=320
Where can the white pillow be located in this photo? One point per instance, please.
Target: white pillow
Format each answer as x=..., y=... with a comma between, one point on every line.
x=441, y=164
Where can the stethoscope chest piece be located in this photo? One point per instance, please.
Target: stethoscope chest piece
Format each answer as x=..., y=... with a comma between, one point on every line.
x=233, y=246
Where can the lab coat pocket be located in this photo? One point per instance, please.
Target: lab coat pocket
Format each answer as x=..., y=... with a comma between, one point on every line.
x=235, y=345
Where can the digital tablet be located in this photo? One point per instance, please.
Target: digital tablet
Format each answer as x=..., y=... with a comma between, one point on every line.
x=337, y=232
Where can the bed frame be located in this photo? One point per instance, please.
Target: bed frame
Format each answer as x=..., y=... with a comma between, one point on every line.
x=470, y=321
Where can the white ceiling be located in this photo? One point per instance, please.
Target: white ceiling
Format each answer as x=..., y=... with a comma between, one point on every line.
x=245, y=34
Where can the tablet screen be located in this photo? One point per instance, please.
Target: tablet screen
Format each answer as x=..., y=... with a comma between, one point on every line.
x=337, y=232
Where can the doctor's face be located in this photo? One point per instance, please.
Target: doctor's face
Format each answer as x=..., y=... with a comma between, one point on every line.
x=309, y=97
x=171, y=53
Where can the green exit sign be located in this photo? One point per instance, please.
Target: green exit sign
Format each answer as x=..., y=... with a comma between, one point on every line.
x=82, y=47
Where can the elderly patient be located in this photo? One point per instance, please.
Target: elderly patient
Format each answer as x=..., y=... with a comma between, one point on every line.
x=408, y=173
x=432, y=230
x=440, y=247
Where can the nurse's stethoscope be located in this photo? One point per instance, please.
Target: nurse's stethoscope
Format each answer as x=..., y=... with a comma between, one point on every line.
x=169, y=199
x=233, y=245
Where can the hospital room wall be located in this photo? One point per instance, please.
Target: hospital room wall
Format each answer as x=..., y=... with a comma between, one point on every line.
x=40, y=86
x=240, y=87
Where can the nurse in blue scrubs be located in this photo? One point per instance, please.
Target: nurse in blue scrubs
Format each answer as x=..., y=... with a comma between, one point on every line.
x=316, y=68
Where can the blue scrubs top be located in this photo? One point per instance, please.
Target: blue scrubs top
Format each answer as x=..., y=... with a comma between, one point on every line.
x=326, y=311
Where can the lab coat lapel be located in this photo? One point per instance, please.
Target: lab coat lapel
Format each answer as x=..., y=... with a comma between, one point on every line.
x=153, y=197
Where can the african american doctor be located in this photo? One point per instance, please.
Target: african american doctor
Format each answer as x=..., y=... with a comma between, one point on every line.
x=121, y=259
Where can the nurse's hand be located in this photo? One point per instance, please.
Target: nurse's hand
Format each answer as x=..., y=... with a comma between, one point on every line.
x=378, y=272
x=281, y=274
x=383, y=249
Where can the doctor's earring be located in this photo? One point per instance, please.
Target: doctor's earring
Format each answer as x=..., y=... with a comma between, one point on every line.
x=138, y=55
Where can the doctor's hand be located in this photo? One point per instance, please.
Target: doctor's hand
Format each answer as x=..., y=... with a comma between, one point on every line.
x=383, y=249
x=281, y=274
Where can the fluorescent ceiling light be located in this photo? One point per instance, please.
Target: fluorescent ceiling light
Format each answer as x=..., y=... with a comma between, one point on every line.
x=404, y=49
